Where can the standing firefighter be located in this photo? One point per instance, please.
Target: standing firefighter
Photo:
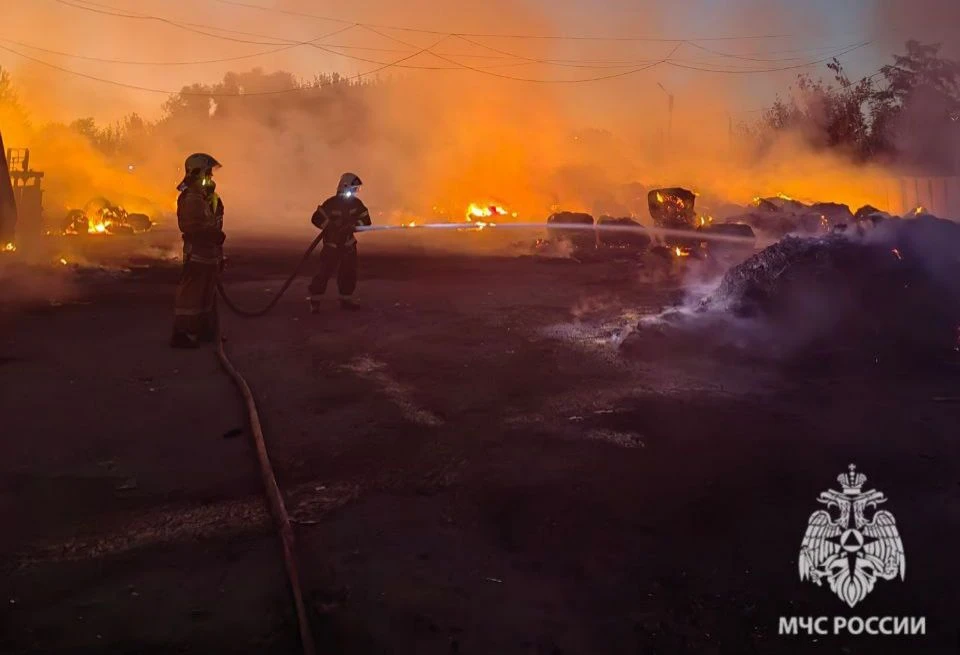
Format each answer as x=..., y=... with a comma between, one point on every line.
x=200, y=218
x=338, y=218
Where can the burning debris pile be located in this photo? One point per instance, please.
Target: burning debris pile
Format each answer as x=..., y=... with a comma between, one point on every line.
x=100, y=216
x=609, y=234
x=893, y=289
x=672, y=208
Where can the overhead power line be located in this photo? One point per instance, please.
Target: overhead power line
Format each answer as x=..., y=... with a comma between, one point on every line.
x=506, y=62
x=771, y=70
x=195, y=62
x=380, y=65
x=396, y=63
x=106, y=10
x=533, y=80
x=666, y=60
x=188, y=92
x=335, y=49
x=191, y=27
x=287, y=44
x=237, y=3
x=625, y=62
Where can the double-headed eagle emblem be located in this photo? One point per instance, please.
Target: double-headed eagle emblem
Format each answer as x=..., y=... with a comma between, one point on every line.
x=851, y=551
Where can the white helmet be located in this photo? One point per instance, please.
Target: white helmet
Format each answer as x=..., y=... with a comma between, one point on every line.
x=348, y=182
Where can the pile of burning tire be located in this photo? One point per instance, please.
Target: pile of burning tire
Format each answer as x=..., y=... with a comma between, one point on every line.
x=100, y=216
x=679, y=233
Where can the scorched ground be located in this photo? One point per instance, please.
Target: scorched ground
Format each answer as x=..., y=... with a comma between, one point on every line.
x=475, y=467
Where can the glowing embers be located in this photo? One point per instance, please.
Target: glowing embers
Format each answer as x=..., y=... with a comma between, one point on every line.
x=672, y=208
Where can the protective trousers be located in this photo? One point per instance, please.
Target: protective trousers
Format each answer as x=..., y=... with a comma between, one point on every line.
x=195, y=308
x=339, y=260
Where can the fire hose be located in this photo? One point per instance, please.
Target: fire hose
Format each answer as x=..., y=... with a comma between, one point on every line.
x=274, y=496
x=254, y=313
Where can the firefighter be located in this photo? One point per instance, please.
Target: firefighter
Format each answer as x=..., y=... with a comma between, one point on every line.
x=200, y=218
x=338, y=218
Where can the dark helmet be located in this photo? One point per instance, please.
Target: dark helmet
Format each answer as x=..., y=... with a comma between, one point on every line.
x=199, y=162
x=348, y=181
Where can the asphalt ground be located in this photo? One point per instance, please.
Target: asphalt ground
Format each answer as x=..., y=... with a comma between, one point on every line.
x=487, y=458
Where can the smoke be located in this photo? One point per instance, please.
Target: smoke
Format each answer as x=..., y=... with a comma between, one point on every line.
x=885, y=293
x=427, y=143
x=35, y=288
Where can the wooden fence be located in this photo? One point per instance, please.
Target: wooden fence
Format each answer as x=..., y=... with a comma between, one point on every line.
x=938, y=195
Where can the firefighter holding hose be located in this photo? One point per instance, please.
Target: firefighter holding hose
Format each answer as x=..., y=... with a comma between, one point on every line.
x=200, y=218
x=338, y=217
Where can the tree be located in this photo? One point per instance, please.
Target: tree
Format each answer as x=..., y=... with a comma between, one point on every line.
x=8, y=95
x=912, y=117
x=917, y=113
x=922, y=71
x=827, y=116
x=10, y=106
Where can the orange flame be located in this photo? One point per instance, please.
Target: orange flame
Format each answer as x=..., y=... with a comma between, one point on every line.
x=477, y=211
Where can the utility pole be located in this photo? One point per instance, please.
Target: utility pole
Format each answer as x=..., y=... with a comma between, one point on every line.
x=669, y=111
x=730, y=132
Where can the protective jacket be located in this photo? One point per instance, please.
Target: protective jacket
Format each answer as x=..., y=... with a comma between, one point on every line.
x=338, y=217
x=200, y=218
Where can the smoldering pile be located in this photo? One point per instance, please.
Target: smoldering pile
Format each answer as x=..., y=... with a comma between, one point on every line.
x=887, y=292
x=777, y=216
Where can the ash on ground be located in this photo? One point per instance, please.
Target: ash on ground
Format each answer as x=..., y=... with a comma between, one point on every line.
x=888, y=295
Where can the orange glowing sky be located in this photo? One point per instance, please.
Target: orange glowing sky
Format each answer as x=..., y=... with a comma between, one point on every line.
x=812, y=28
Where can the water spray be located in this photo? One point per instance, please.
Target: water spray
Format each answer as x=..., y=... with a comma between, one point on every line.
x=480, y=225
x=476, y=226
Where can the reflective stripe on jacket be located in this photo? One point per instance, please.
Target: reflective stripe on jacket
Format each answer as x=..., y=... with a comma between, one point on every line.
x=200, y=218
x=338, y=217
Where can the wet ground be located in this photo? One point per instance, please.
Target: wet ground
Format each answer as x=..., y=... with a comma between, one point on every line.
x=474, y=465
